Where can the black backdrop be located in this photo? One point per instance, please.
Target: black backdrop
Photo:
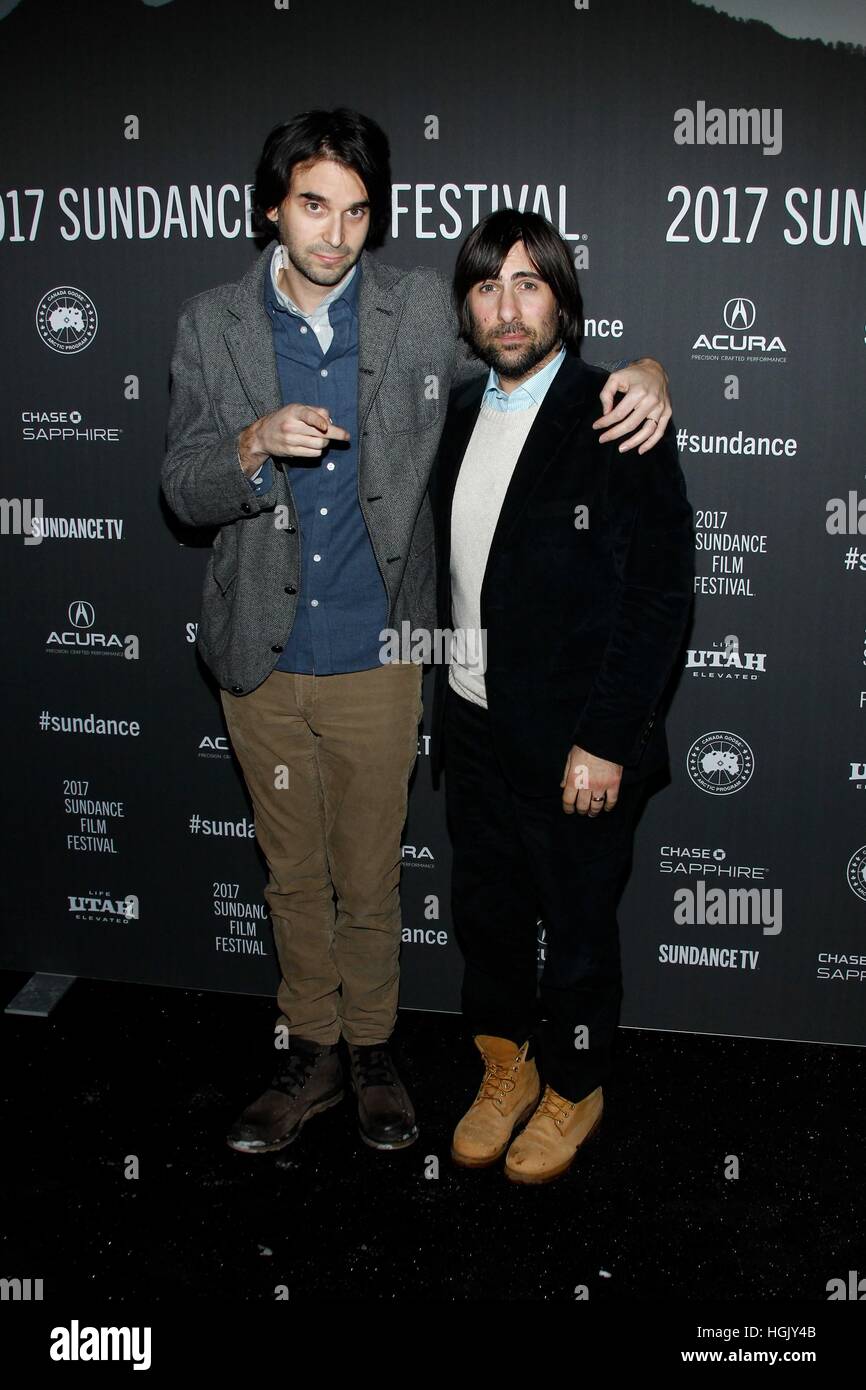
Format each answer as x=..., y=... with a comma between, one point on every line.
x=729, y=246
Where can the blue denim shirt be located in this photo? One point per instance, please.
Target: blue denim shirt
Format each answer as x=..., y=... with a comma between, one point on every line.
x=342, y=600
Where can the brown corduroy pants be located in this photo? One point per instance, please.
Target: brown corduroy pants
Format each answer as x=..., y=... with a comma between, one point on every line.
x=326, y=761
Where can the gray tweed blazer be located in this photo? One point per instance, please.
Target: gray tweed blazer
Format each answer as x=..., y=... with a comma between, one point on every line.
x=224, y=376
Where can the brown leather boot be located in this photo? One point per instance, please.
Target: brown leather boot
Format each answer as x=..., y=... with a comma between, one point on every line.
x=549, y=1144
x=309, y=1081
x=507, y=1096
x=386, y=1115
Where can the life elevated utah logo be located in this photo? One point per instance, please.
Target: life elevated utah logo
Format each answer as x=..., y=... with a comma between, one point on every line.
x=739, y=343
x=100, y=906
x=66, y=319
x=725, y=661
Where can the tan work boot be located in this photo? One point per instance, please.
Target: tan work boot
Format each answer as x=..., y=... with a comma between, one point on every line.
x=549, y=1144
x=507, y=1096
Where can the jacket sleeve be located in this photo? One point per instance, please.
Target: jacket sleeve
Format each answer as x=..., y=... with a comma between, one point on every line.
x=201, y=475
x=653, y=539
x=466, y=365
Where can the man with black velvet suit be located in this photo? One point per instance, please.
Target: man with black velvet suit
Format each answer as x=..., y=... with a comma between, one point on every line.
x=565, y=574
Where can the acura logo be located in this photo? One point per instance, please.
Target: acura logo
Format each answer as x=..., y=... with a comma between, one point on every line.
x=739, y=313
x=80, y=613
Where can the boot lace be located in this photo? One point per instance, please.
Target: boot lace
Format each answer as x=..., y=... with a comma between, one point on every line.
x=294, y=1073
x=499, y=1079
x=555, y=1107
x=376, y=1068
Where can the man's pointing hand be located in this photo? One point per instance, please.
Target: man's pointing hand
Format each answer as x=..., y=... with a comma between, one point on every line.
x=293, y=431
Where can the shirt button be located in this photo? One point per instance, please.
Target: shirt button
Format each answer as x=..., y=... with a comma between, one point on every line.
x=304, y=328
x=330, y=467
x=323, y=372
x=323, y=511
x=317, y=557
x=314, y=603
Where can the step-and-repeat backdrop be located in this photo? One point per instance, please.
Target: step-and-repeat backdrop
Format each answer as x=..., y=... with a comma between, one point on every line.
x=707, y=168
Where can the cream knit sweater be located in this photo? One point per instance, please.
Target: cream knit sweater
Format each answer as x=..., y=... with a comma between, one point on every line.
x=489, y=461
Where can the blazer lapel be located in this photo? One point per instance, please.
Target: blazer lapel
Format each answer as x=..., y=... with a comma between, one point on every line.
x=379, y=310
x=250, y=339
x=459, y=424
x=458, y=430
x=564, y=405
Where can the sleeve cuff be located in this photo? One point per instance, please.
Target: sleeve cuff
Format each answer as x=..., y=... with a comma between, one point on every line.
x=253, y=478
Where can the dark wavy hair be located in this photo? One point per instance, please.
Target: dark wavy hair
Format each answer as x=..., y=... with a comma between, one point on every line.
x=486, y=247
x=347, y=137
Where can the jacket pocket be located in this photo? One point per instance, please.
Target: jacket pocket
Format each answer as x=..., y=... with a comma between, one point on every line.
x=404, y=401
x=224, y=571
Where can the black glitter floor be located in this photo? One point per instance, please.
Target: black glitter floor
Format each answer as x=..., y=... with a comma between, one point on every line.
x=645, y=1213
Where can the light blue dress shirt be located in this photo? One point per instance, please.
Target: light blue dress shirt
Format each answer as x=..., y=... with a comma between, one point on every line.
x=530, y=392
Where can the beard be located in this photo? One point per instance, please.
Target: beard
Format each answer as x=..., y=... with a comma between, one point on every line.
x=515, y=361
x=304, y=260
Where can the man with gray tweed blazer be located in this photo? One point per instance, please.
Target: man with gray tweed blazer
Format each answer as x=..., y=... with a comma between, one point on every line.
x=306, y=408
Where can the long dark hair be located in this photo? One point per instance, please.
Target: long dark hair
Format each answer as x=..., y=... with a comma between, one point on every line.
x=486, y=247
x=345, y=136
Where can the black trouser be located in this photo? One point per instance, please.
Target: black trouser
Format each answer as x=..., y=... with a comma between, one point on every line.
x=520, y=858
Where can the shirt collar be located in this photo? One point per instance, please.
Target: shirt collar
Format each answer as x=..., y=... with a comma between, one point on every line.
x=530, y=392
x=347, y=287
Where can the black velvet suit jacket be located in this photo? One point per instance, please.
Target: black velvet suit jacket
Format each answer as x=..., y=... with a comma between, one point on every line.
x=583, y=625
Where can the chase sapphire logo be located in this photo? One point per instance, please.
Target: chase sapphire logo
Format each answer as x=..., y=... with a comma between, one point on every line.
x=66, y=320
